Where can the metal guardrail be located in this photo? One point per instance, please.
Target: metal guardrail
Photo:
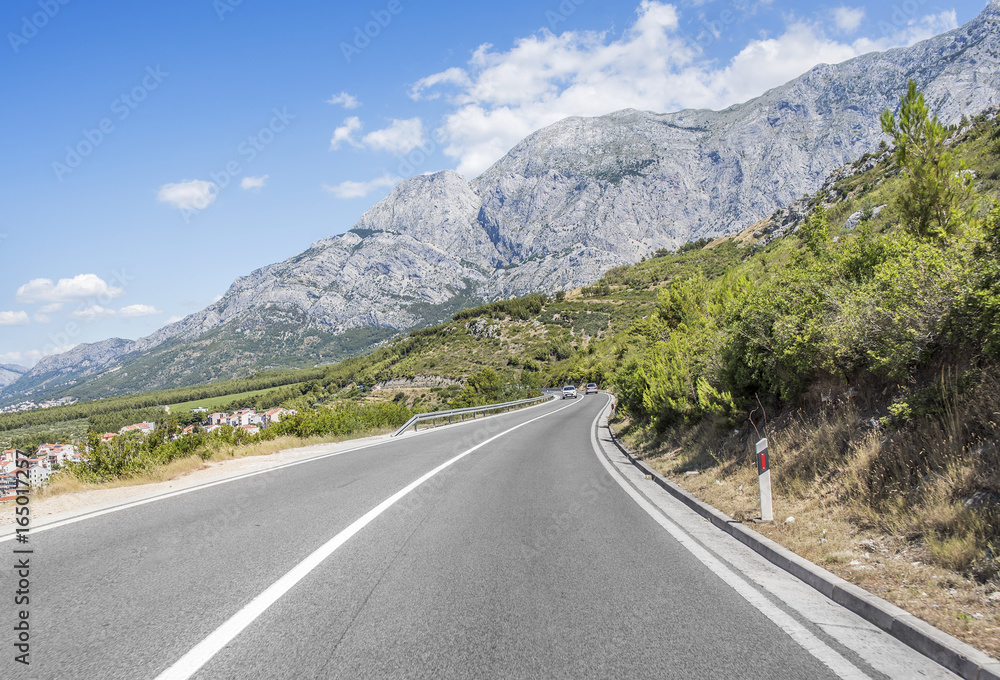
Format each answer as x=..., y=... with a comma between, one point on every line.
x=462, y=412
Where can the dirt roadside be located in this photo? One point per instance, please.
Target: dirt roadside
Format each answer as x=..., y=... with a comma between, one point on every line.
x=45, y=509
x=817, y=528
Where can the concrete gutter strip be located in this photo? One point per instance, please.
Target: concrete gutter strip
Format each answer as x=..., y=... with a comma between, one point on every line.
x=950, y=652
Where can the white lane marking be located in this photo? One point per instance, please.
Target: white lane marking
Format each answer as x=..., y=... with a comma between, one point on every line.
x=170, y=494
x=799, y=633
x=189, y=664
x=180, y=492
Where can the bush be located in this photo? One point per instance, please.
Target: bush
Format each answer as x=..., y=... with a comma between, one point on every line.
x=521, y=308
x=980, y=309
x=344, y=418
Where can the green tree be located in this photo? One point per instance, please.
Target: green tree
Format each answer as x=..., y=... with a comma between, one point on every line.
x=937, y=183
x=815, y=231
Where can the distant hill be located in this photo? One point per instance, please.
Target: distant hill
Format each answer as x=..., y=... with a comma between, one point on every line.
x=563, y=206
x=10, y=373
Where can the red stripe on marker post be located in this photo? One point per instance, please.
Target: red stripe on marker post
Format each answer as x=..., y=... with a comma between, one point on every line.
x=764, y=481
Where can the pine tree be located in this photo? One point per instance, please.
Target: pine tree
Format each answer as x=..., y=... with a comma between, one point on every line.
x=937, y=183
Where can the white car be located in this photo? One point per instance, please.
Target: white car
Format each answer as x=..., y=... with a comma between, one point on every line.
x=591, y=388
x=569, y=391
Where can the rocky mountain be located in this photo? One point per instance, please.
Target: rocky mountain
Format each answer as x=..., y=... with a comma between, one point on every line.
x=564, y=205
x=10, y=373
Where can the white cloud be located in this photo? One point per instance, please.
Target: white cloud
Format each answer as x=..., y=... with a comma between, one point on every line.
x=343, y=99
x=504, y=96
x=452, y=76
x=14, y=318
x=345, y=133
x=32, y=356
x=764, y=64
x=138, y=310
x=42, y=315
x=174, y=319
x=190, y=194
x=255, y=183
x=500, y=97
x=848, y=19
x=79, y=287
x=95, y=312
x=400, y=138
x=351, y=189
x=92, y=313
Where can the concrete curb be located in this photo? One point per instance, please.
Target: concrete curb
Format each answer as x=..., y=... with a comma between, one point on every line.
x=955, y=655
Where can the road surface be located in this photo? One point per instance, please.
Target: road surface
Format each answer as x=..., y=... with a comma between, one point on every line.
x=508, y=547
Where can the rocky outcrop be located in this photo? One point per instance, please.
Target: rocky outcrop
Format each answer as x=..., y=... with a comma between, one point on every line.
x=417, y=381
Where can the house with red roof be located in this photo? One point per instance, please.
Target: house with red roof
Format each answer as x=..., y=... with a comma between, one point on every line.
x=144, y=427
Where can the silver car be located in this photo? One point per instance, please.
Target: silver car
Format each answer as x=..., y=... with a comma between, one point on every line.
x=591, y=388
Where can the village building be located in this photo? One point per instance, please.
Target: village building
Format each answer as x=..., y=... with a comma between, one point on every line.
x=144, y=427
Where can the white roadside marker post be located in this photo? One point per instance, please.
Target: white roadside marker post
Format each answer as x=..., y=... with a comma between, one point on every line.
x=764, y=480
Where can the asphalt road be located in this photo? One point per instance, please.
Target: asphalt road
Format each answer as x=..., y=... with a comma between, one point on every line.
x=501, y=548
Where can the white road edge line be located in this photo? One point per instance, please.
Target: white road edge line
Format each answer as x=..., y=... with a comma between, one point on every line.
x=170, y=494
x=202, y=653
x=181, y=492
x=799, y=633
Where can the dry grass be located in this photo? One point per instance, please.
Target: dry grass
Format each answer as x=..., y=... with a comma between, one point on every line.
x=63, y=484
x=888, y=511
x=66, y=483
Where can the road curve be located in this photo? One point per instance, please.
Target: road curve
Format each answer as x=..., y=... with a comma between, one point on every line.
x=507, y=547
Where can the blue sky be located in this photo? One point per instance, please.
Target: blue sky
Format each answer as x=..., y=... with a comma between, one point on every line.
x=153, y=152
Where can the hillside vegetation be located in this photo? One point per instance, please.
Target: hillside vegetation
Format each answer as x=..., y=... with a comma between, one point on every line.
x=888, y=334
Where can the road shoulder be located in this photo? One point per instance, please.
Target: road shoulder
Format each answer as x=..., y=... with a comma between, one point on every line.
x=951, y=653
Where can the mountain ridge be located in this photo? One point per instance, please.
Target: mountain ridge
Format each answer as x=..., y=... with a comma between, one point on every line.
x=565, y=204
